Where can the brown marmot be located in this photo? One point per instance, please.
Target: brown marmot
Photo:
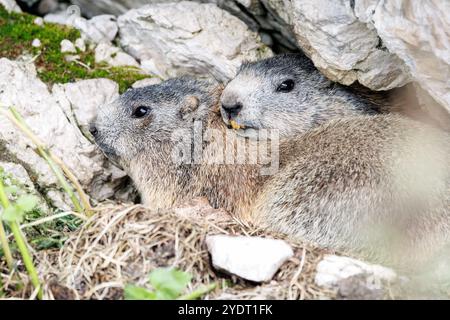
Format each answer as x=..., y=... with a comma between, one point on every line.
x=373, y=184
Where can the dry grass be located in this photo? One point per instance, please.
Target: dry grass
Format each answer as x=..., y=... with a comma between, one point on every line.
x=123, y=244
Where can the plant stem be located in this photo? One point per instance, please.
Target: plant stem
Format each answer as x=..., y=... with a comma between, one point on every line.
x=53, y=162
x=5, y=247
x=3, y=239
x=21, y=243
x=196, y=294
x=26, y=256
x=62, y=180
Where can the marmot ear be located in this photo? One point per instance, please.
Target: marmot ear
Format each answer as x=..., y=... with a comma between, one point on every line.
x=190, y=104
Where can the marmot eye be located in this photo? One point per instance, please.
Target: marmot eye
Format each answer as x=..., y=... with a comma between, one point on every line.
x=286, y=86
x=140, y=112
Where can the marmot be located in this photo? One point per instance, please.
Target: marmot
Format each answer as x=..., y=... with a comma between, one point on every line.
x=286, y=92
x=372, y=184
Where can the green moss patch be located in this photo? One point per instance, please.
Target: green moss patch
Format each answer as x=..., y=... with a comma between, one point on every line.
x=17, y=31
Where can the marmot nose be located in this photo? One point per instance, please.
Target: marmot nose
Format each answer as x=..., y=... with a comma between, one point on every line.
x=232, y=110
x=93, y=129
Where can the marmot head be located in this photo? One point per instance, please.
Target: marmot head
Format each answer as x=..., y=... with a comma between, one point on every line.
x=275, y=93
x=146, y=118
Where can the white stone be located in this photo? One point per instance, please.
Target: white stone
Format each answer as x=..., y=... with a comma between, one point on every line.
x=98, y=29
x=36, y=43
x=67, y=46
x=171, y=39
x=39, y=21
x=10, y=5
x=114, y=56
x=146, y=82
x=332, y=269
x=252, y=258
x=80, y=44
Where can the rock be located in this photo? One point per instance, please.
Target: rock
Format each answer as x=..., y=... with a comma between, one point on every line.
x=105, y=25
x=10, y=5
x=17, y=172
x=36, y=43
x=146, y=82
x=118, y=7
x=39, y=21
x=356, y=288
x=80, y=44
x=98, y=29
x=171, y=39
x=72, y=57
x=46, y=6
x=252, y=258
x=72, y=98
x=114, y=7
x=17, y=176
x=113, y=56
x=344, y=48
x=50, y=117
x=419, y=34
x=335, y=272
x=68, y=47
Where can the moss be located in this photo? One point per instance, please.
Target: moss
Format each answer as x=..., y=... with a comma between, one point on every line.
x=17, y=31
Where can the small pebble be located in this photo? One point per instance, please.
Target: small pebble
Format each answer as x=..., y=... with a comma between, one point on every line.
x=36, y=43
x=80, y=44
x=71, y=58
x=39, y=21
x=67, y=47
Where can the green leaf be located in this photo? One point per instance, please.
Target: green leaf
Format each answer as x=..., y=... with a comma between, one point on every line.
x=27, y=203
x=132, y=292
x=13, y=213
x=169, y=283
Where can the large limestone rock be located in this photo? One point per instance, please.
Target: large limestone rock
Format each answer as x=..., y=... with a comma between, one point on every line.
x=344, y=48
x=118, y=7
x=418, y=32
x=54, y=118
x=382, y=44
x=187, y=37
x=102, y=28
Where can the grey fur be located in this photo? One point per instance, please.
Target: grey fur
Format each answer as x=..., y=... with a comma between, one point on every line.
x=313, y=101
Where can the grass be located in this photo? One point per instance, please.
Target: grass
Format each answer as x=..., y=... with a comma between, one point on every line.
x=18, y=30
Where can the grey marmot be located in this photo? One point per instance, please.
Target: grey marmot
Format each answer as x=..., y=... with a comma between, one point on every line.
x=376, y=185
x=288, y=93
